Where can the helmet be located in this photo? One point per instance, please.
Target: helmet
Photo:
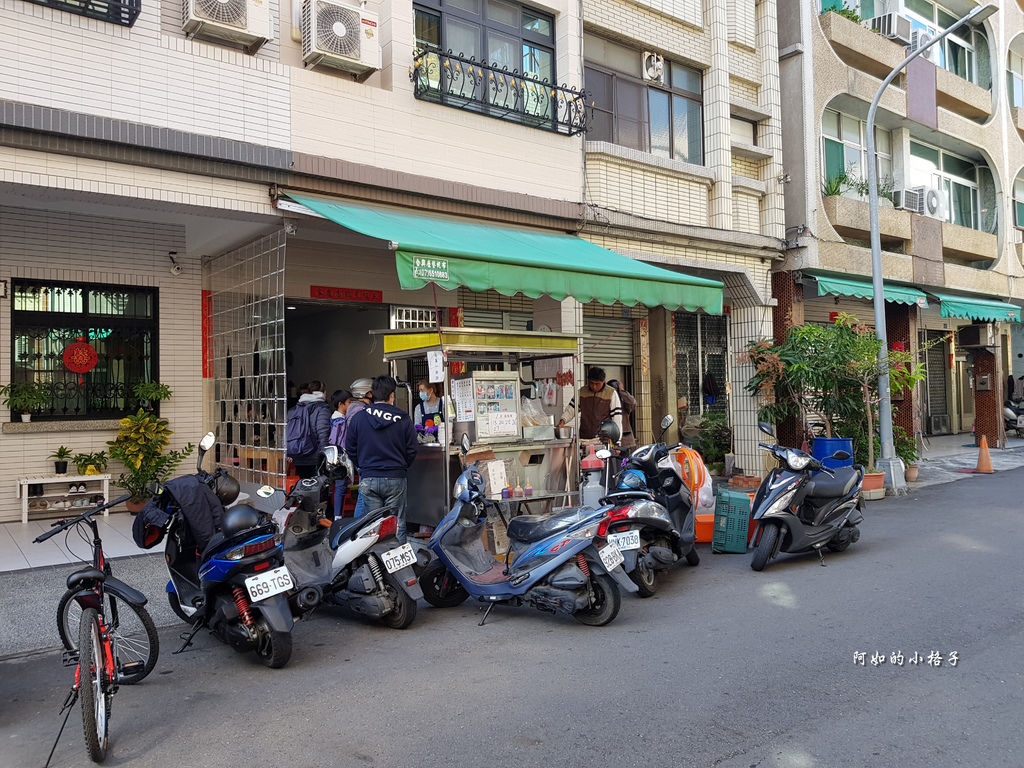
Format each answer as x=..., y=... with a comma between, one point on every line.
x=609, y=431
x=240, y=518
x=631, y=480
x=360, y=387
x=226, y=488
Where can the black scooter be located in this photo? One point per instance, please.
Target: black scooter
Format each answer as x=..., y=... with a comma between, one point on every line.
x=799, y=511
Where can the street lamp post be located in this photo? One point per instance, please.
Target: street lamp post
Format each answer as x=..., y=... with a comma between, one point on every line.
x=889, y=462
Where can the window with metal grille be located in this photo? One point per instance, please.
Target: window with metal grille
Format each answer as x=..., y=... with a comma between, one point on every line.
x=702, y=348
x=412, y=317
x=86, y=345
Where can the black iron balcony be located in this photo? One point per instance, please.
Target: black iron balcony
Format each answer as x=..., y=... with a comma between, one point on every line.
x=462, y=82
x=112, y=11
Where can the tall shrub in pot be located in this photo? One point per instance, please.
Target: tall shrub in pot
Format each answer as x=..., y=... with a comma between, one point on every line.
x=140, y=446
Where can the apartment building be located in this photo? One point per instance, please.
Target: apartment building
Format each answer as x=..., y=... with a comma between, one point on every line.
x=949, y=153
x=683, y=167
x=215, y=195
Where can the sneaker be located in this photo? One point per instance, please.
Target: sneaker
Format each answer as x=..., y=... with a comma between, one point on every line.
x=81, y=488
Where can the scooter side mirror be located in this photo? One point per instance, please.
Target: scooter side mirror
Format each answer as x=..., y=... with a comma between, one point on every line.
x=603, y=454
x=464, y=444
x=204, y=445
x=840, y=456
x=767, y=428
x=666, y=422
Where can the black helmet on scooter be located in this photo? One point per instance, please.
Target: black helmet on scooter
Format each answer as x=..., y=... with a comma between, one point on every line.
x=226, y=488
x=609, y=431
x=240, y=518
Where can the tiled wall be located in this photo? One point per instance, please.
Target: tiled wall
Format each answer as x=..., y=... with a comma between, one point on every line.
x=746, y=213
x=744, y=166
x=120, y=251
x=748, y=324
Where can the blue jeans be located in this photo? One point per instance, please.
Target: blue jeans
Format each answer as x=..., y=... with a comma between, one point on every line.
x=377, y=492
x=339, y=498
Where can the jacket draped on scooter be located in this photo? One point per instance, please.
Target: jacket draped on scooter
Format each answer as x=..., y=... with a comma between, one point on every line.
x=200, y=507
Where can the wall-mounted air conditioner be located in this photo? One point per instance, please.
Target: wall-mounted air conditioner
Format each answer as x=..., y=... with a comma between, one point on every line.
x=977, y=335
x=931, y=202
x=919, y=39
x=246, y=22
x=906, y=200
x=340, y=36
x=893, y=26
x=653, y=67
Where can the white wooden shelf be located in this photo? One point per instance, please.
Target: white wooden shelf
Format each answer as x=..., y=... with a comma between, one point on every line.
x=92, y=489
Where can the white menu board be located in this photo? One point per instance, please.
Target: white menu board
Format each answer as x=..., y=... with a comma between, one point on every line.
x=462, y=392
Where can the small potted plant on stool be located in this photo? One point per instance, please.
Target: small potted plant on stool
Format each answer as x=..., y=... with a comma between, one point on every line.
x=60, y=460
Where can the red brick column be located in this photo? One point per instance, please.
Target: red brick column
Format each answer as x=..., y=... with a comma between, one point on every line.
x=787, y=313
x=901, y=328
x=988, y=405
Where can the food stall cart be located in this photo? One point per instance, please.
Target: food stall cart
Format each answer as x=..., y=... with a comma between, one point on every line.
x=490, y=394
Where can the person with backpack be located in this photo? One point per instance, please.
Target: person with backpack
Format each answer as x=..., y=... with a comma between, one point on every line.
x=381, y=440
x=308, y=429
x=340, y=402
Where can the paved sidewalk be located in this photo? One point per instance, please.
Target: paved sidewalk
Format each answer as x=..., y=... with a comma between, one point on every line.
x=945, y=459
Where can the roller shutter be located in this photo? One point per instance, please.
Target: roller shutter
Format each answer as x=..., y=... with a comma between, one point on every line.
x=615, y=349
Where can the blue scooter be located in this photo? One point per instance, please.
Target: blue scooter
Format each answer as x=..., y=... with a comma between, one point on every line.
x=226, y=566
x=559, y=563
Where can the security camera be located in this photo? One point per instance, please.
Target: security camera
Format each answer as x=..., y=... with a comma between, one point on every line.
x=176, y=269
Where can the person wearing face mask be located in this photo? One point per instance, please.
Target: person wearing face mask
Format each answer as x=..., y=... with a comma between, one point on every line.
x=429, y=412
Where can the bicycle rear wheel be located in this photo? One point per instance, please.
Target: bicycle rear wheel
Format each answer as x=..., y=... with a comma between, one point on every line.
x=132, y=633
x=92, y=685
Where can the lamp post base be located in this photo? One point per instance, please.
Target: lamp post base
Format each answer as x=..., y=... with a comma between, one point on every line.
x=895, y=481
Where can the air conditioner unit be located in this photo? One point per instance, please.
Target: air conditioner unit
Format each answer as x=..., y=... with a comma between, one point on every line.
x=906, y=200
x=653, y=67
x=977, y=335
x=893, y=26
x=919, y=39
x=931, y=202
x=246, y=22
x=340, y=36
x=939, y=425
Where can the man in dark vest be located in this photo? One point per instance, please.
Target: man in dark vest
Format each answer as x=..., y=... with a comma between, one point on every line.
x=597, y=403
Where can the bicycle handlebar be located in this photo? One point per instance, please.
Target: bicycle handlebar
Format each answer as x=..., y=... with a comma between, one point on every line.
x=63, y=525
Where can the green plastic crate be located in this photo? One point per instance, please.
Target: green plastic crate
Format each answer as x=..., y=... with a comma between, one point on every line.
x=732, y=522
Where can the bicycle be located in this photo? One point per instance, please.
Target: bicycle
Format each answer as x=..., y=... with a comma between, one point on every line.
x=105, y=650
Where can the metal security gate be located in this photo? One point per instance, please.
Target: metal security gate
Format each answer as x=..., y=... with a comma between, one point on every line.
x=935, y=386
x=247, y=319
x=610, y=341
x=702, y=349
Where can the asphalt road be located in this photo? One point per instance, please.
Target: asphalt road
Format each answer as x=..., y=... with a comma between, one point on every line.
x=724, y=667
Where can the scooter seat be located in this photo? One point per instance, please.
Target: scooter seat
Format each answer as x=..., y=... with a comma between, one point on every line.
x=825, y=487
x=343, y=528
x=527, y=528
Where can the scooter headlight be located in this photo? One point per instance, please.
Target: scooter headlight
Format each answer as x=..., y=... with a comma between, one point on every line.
x=461, y=489
x=797, y=461
x=780, y=503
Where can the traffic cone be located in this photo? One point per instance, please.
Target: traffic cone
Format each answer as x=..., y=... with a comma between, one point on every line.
x=984, y=460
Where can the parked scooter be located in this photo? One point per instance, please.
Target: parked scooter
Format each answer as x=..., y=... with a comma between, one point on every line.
x=1013, y=418
x=558, y=563
x=803, y=506
x=226, y=567
x=652, y=520
x=356, y=562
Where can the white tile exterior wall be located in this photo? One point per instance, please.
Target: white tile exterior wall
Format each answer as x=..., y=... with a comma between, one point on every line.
x=47, y=245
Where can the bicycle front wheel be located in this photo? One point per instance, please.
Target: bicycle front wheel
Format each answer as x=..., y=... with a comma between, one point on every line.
x=132, y=634
x=93, y=682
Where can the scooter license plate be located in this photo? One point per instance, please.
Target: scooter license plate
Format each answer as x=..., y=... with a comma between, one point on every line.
x=625, y=539
x=611, y=556
x=399, y=558
x=269, y=584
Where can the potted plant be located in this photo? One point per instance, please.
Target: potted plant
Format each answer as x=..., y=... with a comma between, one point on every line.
x=714, y=441
x=151, y=393
x=906, y=449
x=90, y=463
x=25, y=396
x=140, y=446
x=60, y=460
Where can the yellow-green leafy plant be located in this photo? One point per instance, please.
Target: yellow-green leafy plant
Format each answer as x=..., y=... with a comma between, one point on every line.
x=140, y=444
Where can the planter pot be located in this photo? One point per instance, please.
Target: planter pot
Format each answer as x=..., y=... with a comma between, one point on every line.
x=26, y=417
x=135, y=506
x=60, y=467
x=873, y=481
x=911, y=473
x=874, y=495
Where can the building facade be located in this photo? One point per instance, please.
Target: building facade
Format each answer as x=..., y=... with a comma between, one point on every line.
x=949, y=153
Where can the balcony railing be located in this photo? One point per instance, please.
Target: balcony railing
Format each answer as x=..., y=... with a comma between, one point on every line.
x=464, y=83
x=112, y=11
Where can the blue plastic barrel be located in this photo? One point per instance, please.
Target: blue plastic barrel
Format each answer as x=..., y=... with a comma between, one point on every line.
x=822, y=447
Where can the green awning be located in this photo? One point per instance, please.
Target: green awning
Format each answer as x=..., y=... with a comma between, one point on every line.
x=896, y=294
x=452, y=252
x=977, y=309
